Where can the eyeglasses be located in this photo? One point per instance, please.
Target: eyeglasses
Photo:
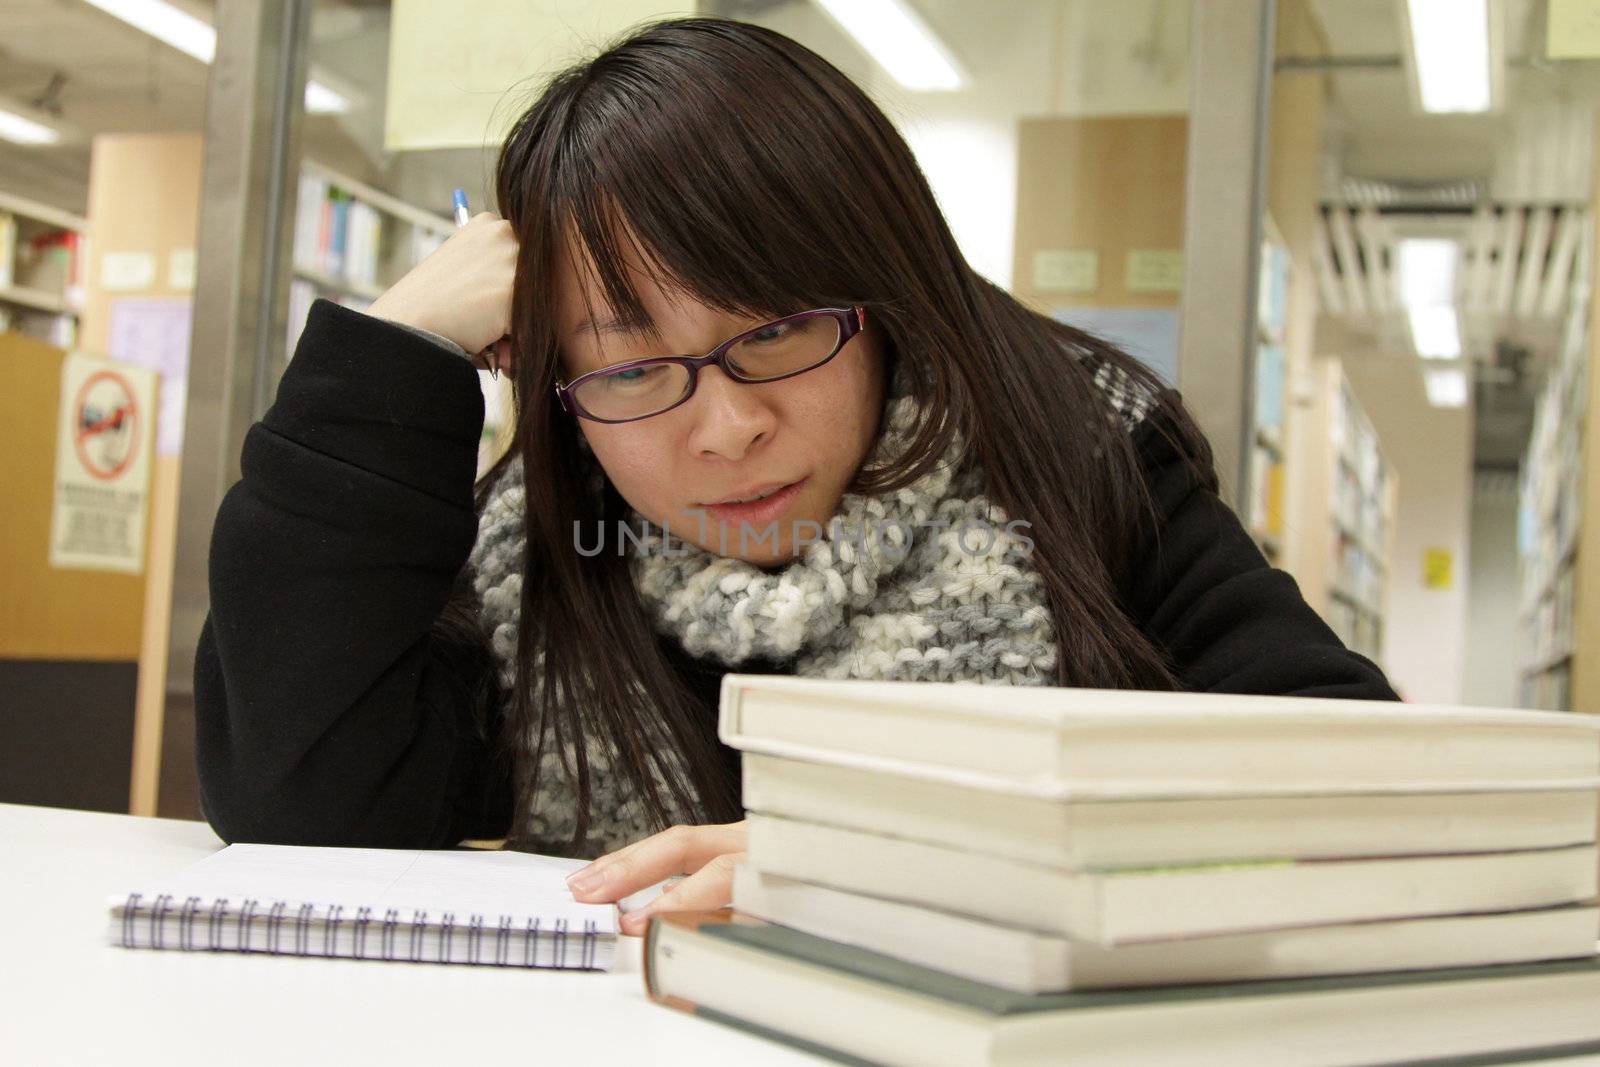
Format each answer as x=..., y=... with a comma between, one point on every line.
x=771, y=352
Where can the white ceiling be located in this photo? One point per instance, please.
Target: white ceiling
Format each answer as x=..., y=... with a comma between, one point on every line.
x=109, y=78
x=1536, y=148
x=1027, y=57
x=114, y=78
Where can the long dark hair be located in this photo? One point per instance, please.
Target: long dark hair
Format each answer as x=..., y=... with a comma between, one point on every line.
x=749, y=173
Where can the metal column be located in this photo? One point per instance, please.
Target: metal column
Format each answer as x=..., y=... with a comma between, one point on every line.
x=1230, y=86
x=252, y=150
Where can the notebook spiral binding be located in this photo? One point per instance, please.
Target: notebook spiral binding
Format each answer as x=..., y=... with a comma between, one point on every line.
x=323, y=930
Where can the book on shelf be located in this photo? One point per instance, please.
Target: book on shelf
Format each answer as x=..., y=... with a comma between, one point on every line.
x=302, y=294
x=859, y=1006
x=1271, y=371
x=50, y=261
x=41, y=253
x=1272, y=296
x=493, y=908
x=8, y=249
x=337, y=235
x=1030, y=961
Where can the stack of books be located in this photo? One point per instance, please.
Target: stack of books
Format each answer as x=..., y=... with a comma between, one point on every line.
x=961, y=874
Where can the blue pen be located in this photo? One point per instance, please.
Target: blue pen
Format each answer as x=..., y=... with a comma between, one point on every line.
x=463, y=216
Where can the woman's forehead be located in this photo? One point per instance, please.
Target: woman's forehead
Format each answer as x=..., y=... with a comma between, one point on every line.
x=581, y=295
x=588, y=318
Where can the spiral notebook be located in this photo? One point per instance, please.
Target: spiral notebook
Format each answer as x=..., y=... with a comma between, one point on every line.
x=508, y=909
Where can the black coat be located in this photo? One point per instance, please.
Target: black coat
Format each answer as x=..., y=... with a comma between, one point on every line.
x=329, y=712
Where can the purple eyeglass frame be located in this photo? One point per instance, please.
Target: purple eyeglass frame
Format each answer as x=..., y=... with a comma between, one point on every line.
x=851, y=320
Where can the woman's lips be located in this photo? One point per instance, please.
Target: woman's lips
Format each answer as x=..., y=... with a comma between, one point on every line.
x=756, y=512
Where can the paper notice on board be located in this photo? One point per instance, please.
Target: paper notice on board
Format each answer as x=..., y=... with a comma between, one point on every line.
x=154, y=333
x=104, y=438
x=1155, y=270
x=1066, y=270
x=1438, y=566
x=180, y=269
x=128, y=270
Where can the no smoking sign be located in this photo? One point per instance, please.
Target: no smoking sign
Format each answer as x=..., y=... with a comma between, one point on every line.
x=106, y=419
x=104, y=443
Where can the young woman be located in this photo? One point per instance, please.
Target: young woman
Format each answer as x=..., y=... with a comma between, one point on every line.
x=394, y=660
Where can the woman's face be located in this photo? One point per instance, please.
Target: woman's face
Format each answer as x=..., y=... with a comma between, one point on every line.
x=729, y=440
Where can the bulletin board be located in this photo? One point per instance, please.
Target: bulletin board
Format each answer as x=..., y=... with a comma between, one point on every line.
x=49, y=613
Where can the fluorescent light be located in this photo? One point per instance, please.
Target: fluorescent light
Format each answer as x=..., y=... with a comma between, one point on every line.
x=166, y=23
x=894, y=35
x=1427, y=289
x=197, y=38
x=1450, y=50
x=1435, y=331
x=321, y=100
x=14, y=127
x=1447, y=388
x=1427, y=271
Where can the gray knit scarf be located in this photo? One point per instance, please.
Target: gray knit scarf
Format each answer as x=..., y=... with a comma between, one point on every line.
x=928, y=583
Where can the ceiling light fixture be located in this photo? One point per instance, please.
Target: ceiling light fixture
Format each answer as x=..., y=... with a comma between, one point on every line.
x=14, y=127
x=1447, y=387
x=1435, y=331
x=1427, y=289
x=195, y=37
x=894, y=34
x=1450, y=54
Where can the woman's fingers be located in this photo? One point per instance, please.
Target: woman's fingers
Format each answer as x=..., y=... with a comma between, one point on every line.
x=461, y=290
x=496, y=358
x=678, y=850
x=706, y=889
x=502, y=355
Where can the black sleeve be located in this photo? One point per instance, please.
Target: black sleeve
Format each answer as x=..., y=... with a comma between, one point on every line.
x=1201, y=589
x=330, y=708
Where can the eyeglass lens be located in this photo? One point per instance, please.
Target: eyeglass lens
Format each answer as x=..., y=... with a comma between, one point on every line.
x=772, y=351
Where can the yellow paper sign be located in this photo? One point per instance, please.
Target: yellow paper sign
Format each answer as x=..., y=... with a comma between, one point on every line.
x=1155, y=270
x=1437, y=565
x=1066, y=270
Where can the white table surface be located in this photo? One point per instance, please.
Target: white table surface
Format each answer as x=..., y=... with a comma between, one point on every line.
x=68, y=996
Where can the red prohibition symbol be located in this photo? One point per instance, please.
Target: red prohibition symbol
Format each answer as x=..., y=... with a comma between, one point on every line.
x=104, y=435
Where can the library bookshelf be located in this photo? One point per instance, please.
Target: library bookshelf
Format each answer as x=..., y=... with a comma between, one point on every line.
x=1550, y=527
x=1349, y=505
x=351, y=243
x=1268, y=454
x=41, y=255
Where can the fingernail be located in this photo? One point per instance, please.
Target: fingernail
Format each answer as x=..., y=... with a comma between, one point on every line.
x=586, y=880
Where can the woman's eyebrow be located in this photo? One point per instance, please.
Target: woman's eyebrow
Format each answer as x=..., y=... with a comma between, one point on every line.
x=604, y=324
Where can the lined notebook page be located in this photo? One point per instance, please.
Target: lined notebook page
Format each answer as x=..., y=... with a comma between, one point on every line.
x=486, y=883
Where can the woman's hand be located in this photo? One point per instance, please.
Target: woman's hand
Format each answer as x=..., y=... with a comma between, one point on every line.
x=461, y=290
x=706, y=854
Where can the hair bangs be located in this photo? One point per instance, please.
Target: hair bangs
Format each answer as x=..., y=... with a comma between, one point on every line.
x=661, y=173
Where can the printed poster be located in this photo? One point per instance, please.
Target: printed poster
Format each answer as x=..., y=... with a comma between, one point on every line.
x=104, y=440
x=155, y=334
